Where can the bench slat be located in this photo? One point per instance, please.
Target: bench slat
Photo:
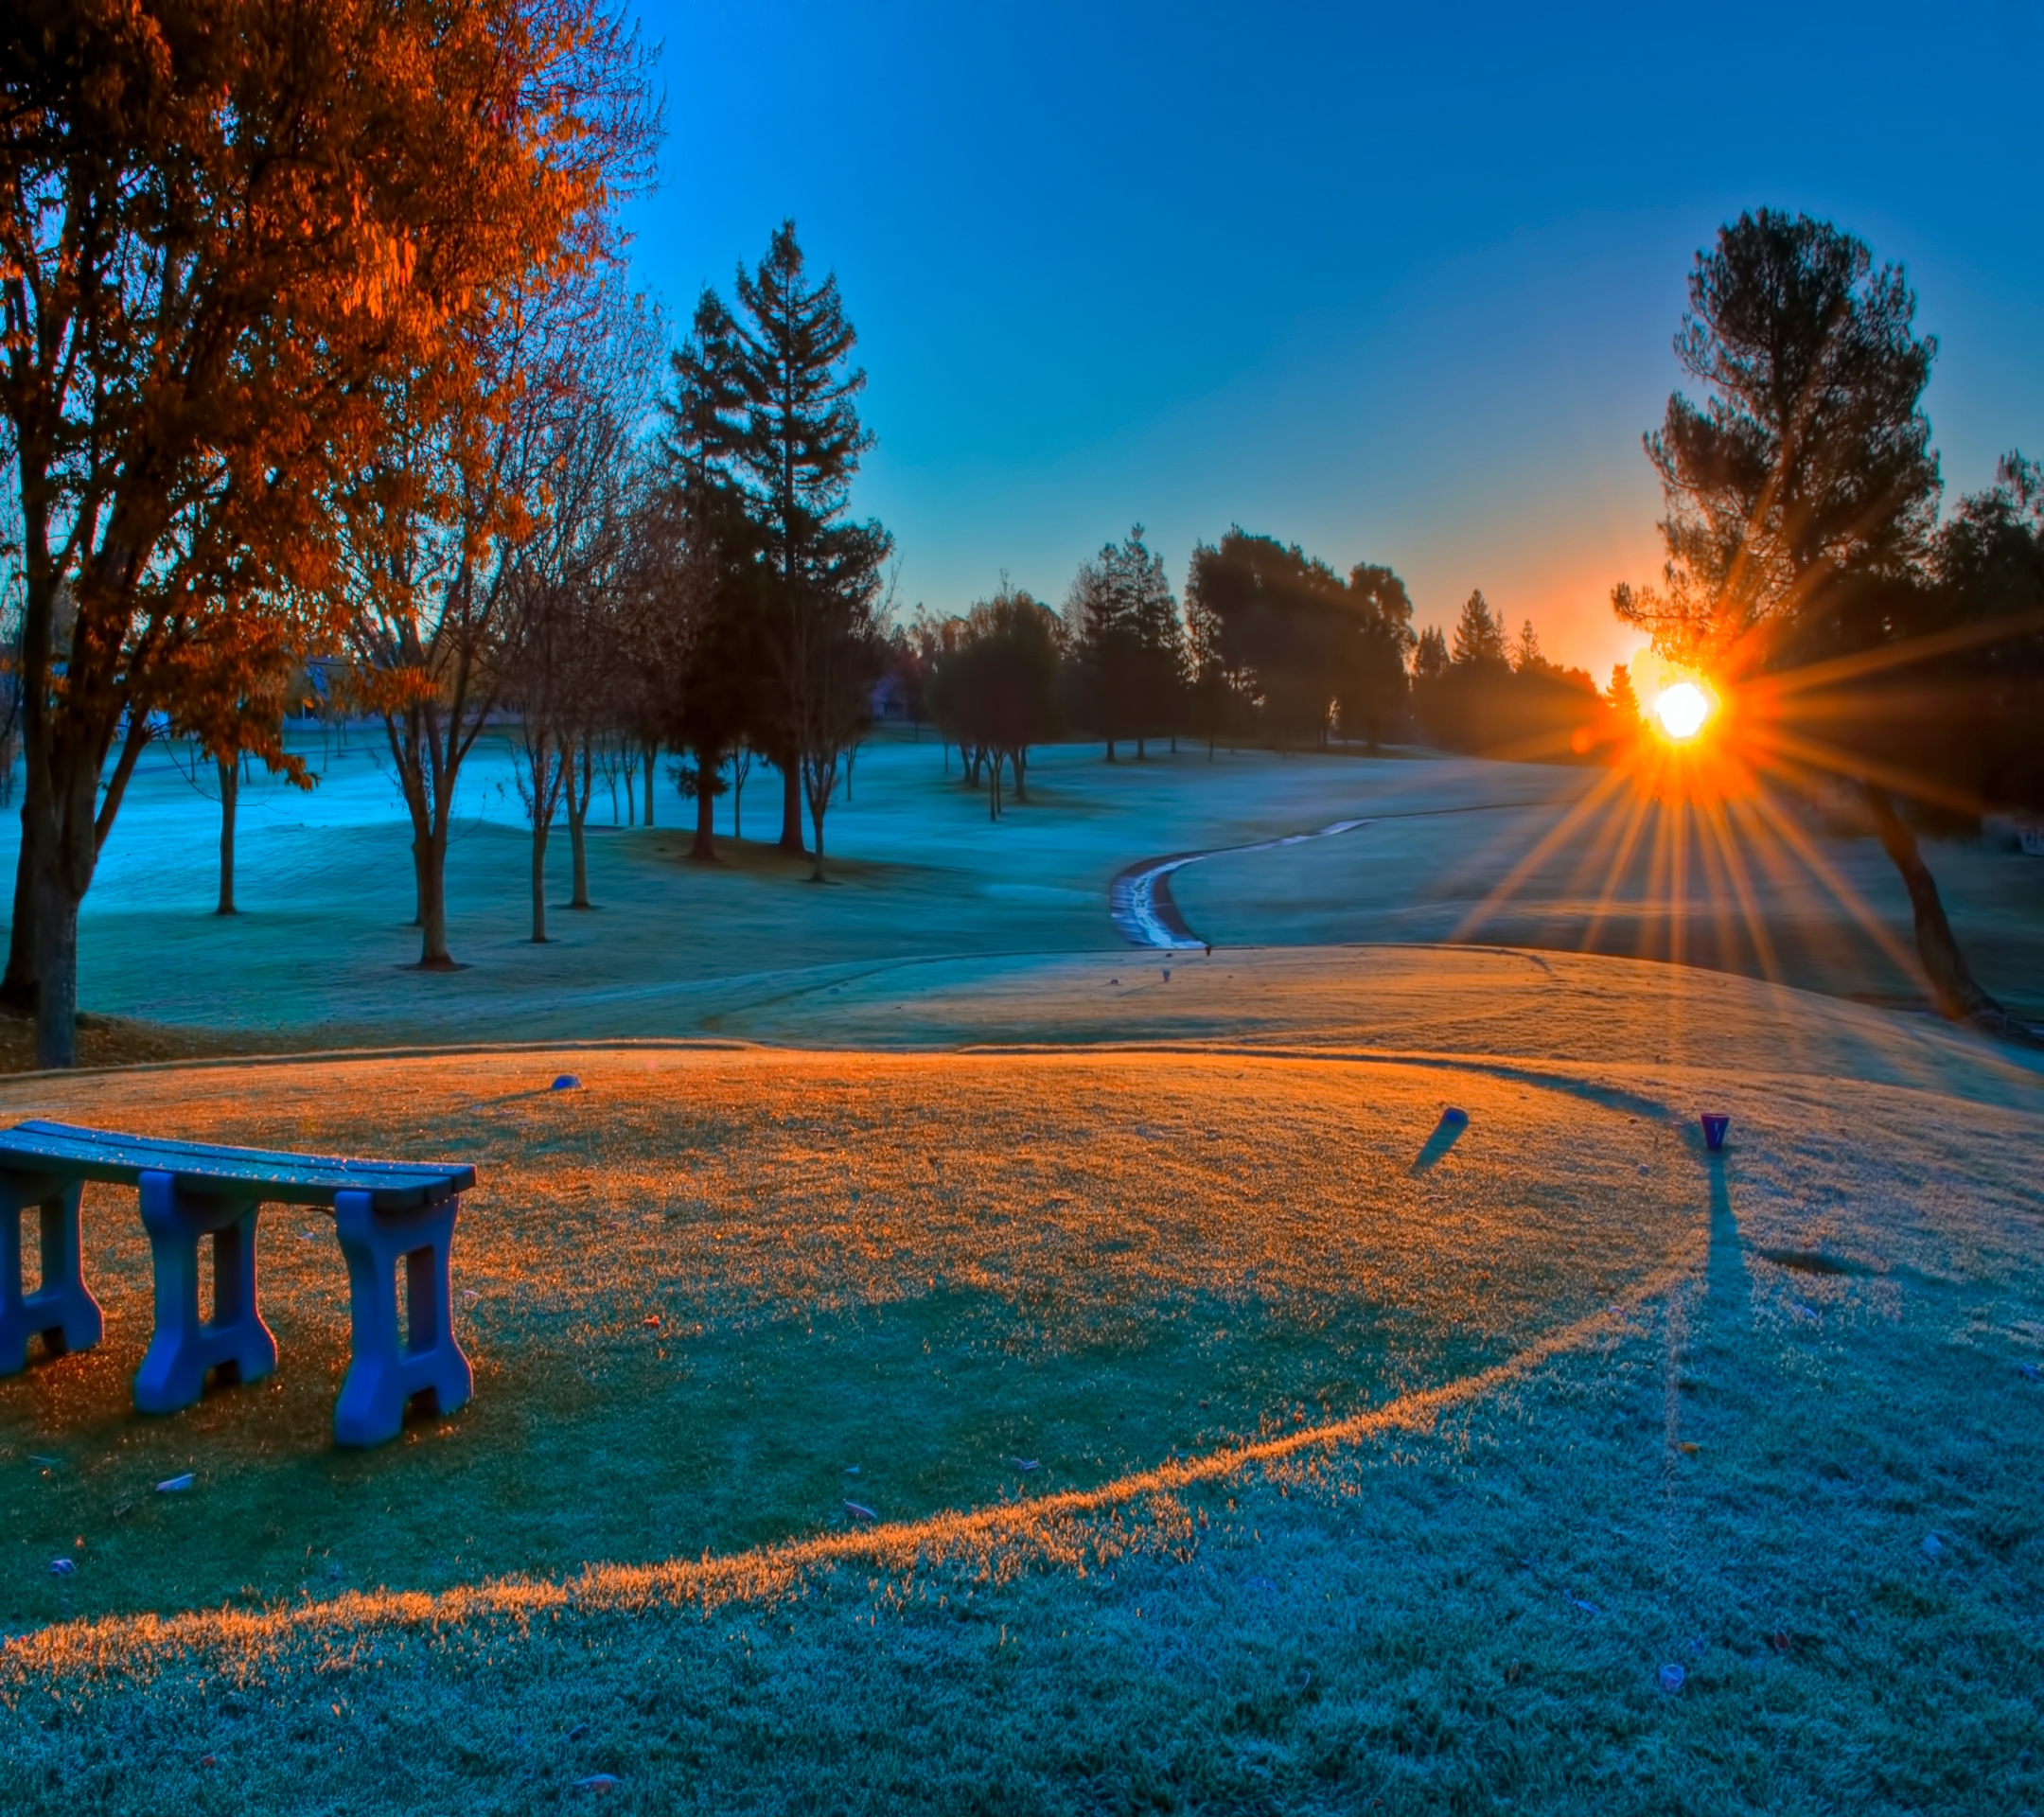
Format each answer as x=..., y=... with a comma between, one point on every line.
x=286, y=1178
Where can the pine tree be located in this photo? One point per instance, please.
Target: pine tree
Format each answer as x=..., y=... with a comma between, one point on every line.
x=1527, y=657
x=1157, y=650
x=787, y=438
x=1430, y=660
x=1623, y=696
x=1478, y=636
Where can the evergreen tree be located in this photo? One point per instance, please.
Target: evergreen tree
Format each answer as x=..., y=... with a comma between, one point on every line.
x=1623, y=696
x=1430, y=659
x=773, y=397
x=1101, y=616
x=1527, y=657
x=1478, y=637
x=788, y=439
x=1157, y=637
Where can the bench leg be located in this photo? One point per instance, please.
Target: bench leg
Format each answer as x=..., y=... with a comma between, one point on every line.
x=184, y=1348
x=384, y=1251
x=60, y=1311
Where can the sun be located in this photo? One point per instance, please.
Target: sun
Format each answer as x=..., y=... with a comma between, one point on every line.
x=1681, y=710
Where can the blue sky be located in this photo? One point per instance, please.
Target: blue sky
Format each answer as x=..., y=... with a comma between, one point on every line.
x=1397, y=284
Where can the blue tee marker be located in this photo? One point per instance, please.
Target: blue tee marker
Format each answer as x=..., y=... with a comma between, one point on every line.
x=567, y=1082
x=1446, y=1133
x=1715, y=1126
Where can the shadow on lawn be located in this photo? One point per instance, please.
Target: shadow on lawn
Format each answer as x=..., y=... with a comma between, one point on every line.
x=1730, y=1281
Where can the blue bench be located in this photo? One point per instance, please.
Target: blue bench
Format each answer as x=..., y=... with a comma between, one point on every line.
x=393, y=1218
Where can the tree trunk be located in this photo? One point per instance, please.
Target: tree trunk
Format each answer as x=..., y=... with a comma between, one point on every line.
x=815, y=814
x=704, y=850
x=994, y=770
x=652, y=758
x=56, y=929
x=538, y=876
x=578, y=807
x=1959, y=998
x=1018, y=762
x=428, y=862
x=737, y=797
x=230, y=795
x=18, y=988
x=791, y=806
x=1110, y=748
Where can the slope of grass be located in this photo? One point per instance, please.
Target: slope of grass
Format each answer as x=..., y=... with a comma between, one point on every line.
x=1799, y=1458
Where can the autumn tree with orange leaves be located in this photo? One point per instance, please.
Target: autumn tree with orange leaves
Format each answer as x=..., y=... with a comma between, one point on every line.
x=225, y=230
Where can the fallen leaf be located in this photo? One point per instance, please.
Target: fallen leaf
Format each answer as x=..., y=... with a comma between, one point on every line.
x=1689, y=1448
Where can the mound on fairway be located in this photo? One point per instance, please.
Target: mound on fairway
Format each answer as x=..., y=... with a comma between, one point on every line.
x=1372, y=1470
x=712, y=1295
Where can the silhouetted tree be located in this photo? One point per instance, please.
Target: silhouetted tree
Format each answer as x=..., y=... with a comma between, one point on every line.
x=1376, y=645
x=1803, y=555
x=786, y=437
x=995, y=687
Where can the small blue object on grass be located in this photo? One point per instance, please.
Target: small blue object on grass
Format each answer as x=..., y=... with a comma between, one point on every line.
x=567, y=1082
x=61, y=1568
x=1671, y=1677
x=1446, y=1134
x=1715, y=1124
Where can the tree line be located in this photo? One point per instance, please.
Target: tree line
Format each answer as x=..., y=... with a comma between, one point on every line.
x=1273, y=646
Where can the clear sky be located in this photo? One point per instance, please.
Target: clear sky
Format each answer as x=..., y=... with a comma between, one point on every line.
x=1397, y=283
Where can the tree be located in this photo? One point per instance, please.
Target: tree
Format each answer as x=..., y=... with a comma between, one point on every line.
x=1371, y=670
x=1430, y=657
x=1622, y=697
x=219, y=226
x=1282, y=614
x=1808, y=465
x=1801, y=533
x=995, y=686
x=1100, y=618
x=1157, y=649
x=1479, y=635
x=570, y=594
x=1526, y=657
x=236, y=715
x=715, y=570
x=783, y=433
x=438, y=532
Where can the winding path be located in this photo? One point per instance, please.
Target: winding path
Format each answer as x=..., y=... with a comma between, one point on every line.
x=1140, y=899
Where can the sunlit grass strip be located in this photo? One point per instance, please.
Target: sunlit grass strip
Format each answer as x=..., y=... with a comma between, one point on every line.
x=1075, y=1530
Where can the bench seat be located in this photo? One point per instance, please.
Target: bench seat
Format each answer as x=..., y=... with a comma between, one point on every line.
x=396, y=1225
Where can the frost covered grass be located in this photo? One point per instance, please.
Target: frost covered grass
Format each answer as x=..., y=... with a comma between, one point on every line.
x=317, y=957
x=713, y=1297
x=1488, y=1444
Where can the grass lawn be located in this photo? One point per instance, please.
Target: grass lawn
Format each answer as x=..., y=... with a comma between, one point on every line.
x=1369, y=1475
x=923, y=880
